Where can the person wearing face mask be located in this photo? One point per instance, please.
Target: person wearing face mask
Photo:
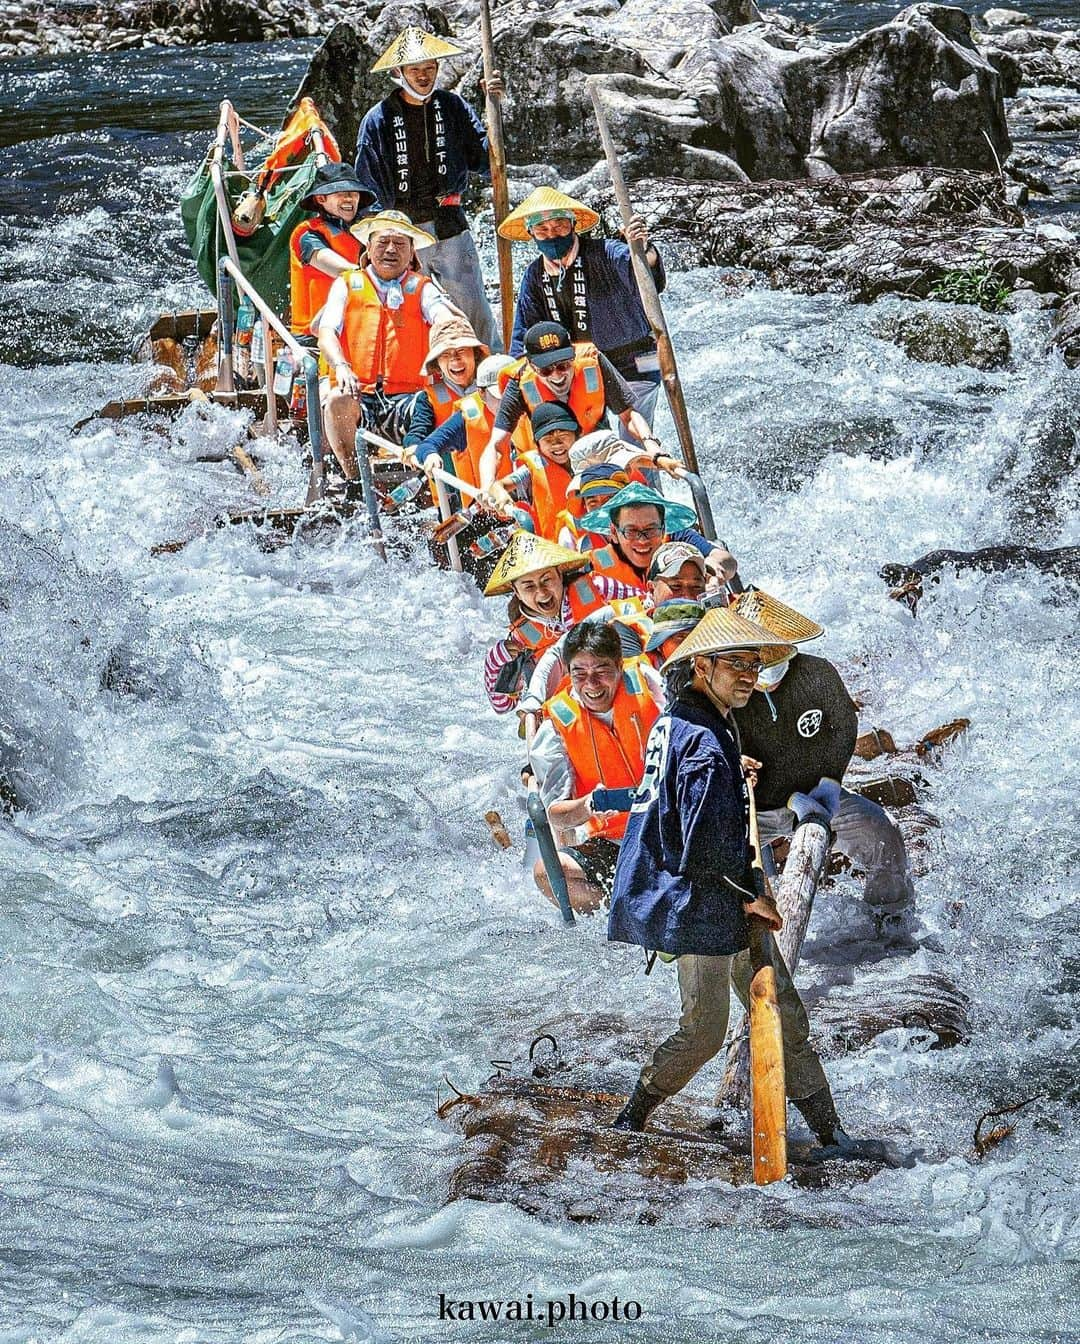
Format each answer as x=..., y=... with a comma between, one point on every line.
x=587, y=284
x=322, y=248
x=591, y=741
x=801, y=725
x=550, y=593
x=373, y=334
x=415, y=152
x=683, y=885
x=554, y=369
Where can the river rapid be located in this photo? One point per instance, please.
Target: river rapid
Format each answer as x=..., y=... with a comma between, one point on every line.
x=251, y=913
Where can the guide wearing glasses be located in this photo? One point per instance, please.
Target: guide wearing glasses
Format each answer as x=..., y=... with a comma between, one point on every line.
x=638, y=521
x=554, y=369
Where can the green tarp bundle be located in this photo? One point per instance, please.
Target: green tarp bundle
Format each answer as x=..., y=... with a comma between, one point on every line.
x=264, y=257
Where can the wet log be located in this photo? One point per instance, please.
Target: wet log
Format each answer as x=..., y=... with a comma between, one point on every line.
x=179, y=326
x=906, y=581
x=170, y=406
x=171, y=361
x=281, y=522
x=206, y=363
x=551, y=1151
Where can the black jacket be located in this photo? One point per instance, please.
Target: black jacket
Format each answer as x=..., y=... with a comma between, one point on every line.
x=813, y=736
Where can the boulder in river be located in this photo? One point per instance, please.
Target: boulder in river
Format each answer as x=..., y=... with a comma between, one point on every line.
x=948, y=334
x=716, y=92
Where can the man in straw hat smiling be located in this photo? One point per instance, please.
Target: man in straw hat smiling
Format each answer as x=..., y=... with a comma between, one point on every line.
x=588, y=285
x=802, y=725
x=373, y=332
x=415, y=152
x=683, y=884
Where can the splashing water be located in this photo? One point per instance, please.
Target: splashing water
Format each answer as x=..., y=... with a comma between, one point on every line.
x=252, y=913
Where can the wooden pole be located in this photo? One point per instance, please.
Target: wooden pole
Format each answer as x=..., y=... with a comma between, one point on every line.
x=650, y=299
x=768, y=1098
x=499, y=189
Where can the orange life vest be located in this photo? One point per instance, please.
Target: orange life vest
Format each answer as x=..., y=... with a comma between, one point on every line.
x=608, y=562
x=612, y=757
x=384, y=344
x=549, y=482
x=479, y=422
x=309, y=287
x=533, y=634
x=443, y=401
x=586, y=398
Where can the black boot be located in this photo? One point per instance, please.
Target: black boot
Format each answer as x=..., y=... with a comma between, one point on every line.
x=635, y=1114
x=819, y=1112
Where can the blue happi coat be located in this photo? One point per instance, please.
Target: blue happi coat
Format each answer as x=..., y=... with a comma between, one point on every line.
x=684, y=864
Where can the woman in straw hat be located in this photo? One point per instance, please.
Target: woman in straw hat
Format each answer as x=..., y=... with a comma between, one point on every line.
x=550, y=593
x=588, y=285
x=802, y=726
x=415, y=152
x=682, y=882
x=453, y=359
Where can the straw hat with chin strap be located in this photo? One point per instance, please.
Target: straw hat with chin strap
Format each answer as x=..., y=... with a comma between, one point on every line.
x=391, y=221
x=723, y=630
x=529, y=554
x=413, y=46
x=545, y=203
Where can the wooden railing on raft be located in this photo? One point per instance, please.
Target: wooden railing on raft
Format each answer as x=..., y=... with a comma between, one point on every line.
x=229, y=273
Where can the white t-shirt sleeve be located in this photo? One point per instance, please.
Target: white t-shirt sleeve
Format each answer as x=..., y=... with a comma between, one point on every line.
x=435, y=305
x=333, y=313
x=551, y=765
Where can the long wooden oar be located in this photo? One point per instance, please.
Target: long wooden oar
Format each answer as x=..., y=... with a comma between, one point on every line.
x=768, y=1100
x=545, y=837
x=500, y=192
x=650, y=299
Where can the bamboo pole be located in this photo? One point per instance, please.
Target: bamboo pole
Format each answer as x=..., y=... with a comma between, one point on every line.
x=768, y=1099
x=650, y=299
x=499, y=189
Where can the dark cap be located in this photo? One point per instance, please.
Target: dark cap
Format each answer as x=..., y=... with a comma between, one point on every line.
x=552, y=415
x=331, y=177
x=547, y=343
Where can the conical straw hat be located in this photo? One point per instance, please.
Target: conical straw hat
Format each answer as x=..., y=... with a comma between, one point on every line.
x=413, y=46
x=536, y=203
x=784, y=621
x=722, y=630
x=528, y=554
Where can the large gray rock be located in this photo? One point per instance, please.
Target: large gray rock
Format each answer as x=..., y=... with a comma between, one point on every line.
x=702, y=90
x=948, y=334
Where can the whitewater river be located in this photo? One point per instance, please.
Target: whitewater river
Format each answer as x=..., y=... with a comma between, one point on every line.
x=250, y=911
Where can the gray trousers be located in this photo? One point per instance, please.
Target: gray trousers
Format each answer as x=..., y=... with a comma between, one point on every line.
x=645, y=395
x=869, y=837
x=705, y=984
x=455, y=265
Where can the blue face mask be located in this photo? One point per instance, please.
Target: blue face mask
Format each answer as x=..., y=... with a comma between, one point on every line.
x=554, y=248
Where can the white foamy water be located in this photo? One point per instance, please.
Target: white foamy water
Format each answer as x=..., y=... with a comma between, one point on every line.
x=252, y=913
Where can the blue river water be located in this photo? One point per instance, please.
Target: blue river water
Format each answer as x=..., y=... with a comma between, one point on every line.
x=251, y=914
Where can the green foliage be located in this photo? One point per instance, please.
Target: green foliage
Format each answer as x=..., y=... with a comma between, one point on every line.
x=973, y=284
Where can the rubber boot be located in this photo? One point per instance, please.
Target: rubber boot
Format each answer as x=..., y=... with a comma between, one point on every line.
x=635, y=1114
x=819, y=1112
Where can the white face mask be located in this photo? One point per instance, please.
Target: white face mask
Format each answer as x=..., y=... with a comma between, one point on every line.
x=771, y=677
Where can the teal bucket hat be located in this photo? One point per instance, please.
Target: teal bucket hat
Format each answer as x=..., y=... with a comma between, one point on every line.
x=676, y=516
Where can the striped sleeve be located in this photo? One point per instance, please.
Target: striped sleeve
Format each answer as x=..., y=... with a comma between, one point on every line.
x=612, y=590
x=498, y=656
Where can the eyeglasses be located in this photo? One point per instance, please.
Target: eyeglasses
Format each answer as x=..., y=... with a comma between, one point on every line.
x=741, y=664
x=553, y=370
x=640, y=533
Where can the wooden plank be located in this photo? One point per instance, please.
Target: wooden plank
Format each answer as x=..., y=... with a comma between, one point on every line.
x=178, y=326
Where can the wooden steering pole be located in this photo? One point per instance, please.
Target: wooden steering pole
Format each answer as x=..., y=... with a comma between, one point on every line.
x=650, y=298
x=499, y=190
x=768, y=1097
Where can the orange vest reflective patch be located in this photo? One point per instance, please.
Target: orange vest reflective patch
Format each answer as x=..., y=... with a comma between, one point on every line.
x=309, y=287
x=584, y=600
x=442, y=401
x=479, y=422
x=613, y=757
x=384, y=345
x=608, y=562
x=586, y=397
x=549, y=483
